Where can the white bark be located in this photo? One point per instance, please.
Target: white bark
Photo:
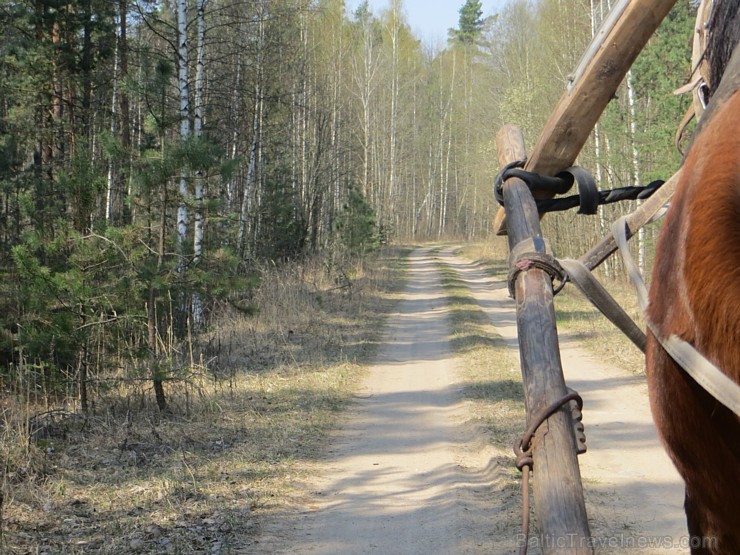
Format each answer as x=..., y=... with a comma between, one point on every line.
x=395, y=23
x=198, y=130
x=251, y=178
x=183, y=89
x=445, y=151
x=414, y=215
x=114, y=116
x=236, y=120
x=641, y=255
x=251, y=173
x=603, y=224
x=365, y=77
x=336, y=135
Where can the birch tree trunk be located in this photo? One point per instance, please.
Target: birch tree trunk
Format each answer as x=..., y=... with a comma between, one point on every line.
x=635, y=165
x=445, y=150
x=395, y=15
x=184, y=93
x=337, y=128
x=198, y=130
x=197, y=309
x=364, y=77
x=109, y=192
x=235, y=119
x=603, y=224
x=251, y=173
x=413, y=214
x=251, y=178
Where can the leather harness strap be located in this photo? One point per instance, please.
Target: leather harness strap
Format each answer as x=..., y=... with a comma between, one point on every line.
x=698, y=84
x=696, y=365
x=582, y=278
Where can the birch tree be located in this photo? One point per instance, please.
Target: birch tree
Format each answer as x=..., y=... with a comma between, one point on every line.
x=198, y=128
x=183, y=87
x=365, y=73
x=258, y=103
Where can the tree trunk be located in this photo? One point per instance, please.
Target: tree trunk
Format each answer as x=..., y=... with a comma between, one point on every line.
x=184, y=93
x=251, y=178
x=198, y=131
x=636, y=181
x=86, y=63
x=395, y=14
x=603, y=224
x=125, y=127
x=110, y=182
x=83, y=370
x=157, y=381
x=197, y=308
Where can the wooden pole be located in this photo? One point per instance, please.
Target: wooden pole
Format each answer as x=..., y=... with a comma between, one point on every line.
x=580, y=107
x=558, y=494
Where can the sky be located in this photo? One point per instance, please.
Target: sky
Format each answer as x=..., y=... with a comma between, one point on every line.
x=430, y=19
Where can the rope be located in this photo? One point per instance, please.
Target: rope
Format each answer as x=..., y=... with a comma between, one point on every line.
x=608, y=196
x=525, y=461
x=536, y=260
x=525, y=510
x=557, y=185
x=588, y=199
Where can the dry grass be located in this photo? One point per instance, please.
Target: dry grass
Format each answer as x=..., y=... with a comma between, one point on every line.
x=494, y=396
x=200, y=478
x=492, y=251
x=576, y=314
x=493, y=381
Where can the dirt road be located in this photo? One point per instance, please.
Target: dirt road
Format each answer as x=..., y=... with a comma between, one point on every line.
x=634, y=495
x=405, y=476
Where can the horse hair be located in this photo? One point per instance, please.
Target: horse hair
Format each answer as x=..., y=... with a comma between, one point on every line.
x=723, y=35
x=695, y=295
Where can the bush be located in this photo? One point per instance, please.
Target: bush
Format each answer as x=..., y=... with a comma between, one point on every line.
x=356, y=227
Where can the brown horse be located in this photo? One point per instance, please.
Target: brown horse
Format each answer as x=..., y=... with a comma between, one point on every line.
x=695, y=295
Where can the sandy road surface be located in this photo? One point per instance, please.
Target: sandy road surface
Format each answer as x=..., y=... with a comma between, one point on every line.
x=394, y=483
x=634, y=494
x=402, y=476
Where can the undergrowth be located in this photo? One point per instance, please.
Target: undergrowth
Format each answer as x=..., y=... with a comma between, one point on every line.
x=255, y=405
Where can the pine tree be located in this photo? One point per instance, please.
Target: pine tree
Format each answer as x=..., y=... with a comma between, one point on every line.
x=470, y=23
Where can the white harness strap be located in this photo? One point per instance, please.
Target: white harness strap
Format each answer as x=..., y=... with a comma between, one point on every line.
x=706, y=374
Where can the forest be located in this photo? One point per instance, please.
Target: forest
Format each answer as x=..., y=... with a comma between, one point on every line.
x=154, y=154
x=204, y=206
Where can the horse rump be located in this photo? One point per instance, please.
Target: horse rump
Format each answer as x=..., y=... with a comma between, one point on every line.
x=695, y=295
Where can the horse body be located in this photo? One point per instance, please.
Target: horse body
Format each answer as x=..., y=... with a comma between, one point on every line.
x=695, y=294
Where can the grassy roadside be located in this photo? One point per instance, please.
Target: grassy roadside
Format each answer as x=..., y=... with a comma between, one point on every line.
x=492, y=388
x=577, y=316
x=202, y=478
x=493, y=382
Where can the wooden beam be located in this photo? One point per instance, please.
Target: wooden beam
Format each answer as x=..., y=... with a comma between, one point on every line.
x=729, y=86
x=558, y=493
x=581, y=106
